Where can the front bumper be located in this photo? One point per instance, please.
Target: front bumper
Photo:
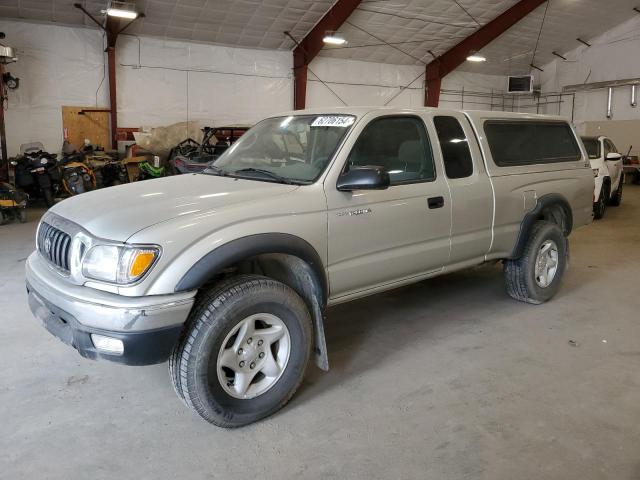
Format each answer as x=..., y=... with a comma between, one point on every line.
x=149, y=327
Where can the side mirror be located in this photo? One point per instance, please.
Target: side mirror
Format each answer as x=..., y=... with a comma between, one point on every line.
x=613, y=156
x=363, y=178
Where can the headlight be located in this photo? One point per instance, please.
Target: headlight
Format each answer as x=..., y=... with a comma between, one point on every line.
x=118, y=264
x=595, y=172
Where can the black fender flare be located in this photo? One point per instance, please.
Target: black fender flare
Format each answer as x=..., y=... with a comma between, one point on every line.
x=544, y=202
x=236, y=250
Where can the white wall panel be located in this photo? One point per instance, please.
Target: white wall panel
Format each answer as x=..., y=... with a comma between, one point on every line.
x=160, y=82
x=612, y=56
x=359, y=83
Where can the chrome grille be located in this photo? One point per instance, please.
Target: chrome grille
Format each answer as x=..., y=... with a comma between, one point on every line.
x=54, y=245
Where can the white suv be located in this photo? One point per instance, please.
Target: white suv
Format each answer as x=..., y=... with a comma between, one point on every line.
x=606, y=163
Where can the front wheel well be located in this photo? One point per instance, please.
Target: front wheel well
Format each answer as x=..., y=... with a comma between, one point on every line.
x=297, y=274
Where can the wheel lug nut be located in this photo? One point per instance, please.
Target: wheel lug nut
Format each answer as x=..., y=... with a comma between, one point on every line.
x=260, y=342
x=249, y=340
x=253, y=365
x=240, y=351
x=261, y=355
x=241, y=364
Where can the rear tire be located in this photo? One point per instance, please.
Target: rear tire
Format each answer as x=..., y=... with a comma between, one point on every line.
x=535, y=276
x=218, y=370
x=22, y=215
x=616, y=200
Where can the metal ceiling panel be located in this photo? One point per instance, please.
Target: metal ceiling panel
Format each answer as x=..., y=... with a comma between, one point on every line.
x=386, y=31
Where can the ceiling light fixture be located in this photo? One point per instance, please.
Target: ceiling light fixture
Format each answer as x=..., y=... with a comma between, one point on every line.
x=331, y=38
x=117, y=12
x=476, y=57
x=121, y=10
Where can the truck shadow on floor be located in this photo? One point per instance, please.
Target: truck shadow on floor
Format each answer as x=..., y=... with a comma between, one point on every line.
x=363, y=333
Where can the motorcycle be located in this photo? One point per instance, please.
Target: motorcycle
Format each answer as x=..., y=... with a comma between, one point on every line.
x=148, y=171
x=13, y=204
x=37, y=173
x=108, y=171
x=76, y=176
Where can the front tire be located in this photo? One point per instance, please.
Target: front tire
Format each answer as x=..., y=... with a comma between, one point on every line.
x=244, y=352
x=601, y=205
x=535, y=276
x=48, y=197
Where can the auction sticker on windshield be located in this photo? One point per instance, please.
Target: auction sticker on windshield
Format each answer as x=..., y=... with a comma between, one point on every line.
x=333, y=121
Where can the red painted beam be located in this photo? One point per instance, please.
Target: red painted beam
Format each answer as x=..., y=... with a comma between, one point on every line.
x=457, y=55
x=312, y=43
x=112, y=28
x=4, y=165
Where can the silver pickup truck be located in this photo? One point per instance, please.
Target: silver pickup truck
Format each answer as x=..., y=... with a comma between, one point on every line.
x=228, y=273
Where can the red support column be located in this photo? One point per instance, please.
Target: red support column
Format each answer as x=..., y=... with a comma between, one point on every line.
x=312, y=43
x=299, y=80
x=457, y=55
x=113, y=103
x=4, y=166
x=433, y=83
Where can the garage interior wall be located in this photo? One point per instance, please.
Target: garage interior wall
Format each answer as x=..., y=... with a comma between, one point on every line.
x=160, y=82
x=336, y=82
x=612, y=56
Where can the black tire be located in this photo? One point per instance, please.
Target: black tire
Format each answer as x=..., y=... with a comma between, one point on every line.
x=601, y=204
x=193, y=362
x=2, y=218
x=616, y=200
x=22, y=215
x=48, y=197
x=520, y=274
x=174, y=359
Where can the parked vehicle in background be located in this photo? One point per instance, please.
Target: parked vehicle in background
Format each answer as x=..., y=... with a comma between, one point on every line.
x=191, y=157
x=13, y=204
x=108, y=171
x=77, y=176
x=37, y=173
x=607, y=165
x=228, y=273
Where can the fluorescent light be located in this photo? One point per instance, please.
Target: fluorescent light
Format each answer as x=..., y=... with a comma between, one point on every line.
x=476, y=57
x=119, y=12
x=332, y=39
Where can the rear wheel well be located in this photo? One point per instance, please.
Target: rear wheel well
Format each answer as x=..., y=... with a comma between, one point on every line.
x=552, y=208
x=558, y=214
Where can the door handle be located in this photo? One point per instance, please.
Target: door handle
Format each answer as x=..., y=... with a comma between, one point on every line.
x=435, y=202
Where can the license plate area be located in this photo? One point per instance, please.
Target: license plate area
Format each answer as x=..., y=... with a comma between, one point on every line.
x=55, y=324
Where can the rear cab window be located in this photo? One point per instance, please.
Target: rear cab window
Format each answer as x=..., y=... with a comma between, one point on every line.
x=454, y=146
x=531, y=142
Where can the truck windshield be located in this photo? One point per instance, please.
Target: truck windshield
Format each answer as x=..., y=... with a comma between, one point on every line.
x=294, y=149
x=592, y=145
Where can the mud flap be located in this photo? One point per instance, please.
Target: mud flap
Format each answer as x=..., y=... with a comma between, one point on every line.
x=320, y=345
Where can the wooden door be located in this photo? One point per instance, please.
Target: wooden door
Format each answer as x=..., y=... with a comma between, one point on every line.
x=85, y=122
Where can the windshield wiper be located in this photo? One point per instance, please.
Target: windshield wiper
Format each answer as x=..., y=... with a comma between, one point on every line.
x=269, y=173
x=213, y=170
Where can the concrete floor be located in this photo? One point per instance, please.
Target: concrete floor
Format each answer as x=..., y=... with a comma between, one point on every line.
x=447, y=379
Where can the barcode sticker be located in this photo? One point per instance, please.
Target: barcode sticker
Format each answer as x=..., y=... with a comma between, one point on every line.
x=333, y=121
